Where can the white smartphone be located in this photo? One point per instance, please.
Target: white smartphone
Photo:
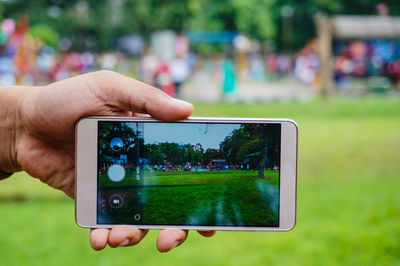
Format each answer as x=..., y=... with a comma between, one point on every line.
x=199, y=173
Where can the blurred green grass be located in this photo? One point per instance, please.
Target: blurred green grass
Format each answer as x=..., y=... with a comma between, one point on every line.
x=348, y=200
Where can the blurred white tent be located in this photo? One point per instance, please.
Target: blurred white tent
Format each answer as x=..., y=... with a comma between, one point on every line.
x=365, y=27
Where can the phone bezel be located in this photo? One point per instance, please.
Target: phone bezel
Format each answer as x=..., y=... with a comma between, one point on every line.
x=86, y=172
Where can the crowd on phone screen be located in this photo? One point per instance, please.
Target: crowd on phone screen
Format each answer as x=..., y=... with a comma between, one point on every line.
x=29, y=61
x=187, y=167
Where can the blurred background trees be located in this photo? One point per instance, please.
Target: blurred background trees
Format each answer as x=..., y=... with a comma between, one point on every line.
x=94, y=25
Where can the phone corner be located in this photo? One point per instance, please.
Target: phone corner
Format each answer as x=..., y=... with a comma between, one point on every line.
x=80, y=121
x=294, y=124
x=290, y=227
x=80, y=224
x=76, y=217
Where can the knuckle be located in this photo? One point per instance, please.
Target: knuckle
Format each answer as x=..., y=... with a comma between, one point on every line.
x=103, y=77
x=101, y=83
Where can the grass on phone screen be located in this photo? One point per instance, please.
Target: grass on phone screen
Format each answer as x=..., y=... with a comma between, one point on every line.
x=222, y=197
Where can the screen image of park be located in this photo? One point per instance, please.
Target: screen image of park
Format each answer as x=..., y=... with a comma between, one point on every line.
x=191, y=174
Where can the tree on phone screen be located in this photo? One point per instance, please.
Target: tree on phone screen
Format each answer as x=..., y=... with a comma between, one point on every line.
x=258, y=144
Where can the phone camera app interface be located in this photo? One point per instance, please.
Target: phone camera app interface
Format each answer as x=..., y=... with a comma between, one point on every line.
x=116, y=172
x=195, y=174
x=116, y=201
x=116, y=144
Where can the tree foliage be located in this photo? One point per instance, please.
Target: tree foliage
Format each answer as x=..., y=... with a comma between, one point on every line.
x=96, y=25
x=259, y=143
x=108, y=131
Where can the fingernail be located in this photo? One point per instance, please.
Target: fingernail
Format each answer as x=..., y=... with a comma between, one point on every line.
x=124, y=243
x=181, y=102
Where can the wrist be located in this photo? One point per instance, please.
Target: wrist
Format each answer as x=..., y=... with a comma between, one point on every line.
x=10, y=128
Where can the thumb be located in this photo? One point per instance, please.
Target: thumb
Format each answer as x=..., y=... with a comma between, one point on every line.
x=127, y=94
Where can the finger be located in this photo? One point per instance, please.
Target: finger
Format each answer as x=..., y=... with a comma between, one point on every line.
x=125, y=235
x=125, y=93
x=98, y=238
x=207, y=233
x=139, y=114
x=170, y=238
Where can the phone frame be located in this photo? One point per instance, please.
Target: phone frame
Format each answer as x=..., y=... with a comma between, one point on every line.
x=86, y=136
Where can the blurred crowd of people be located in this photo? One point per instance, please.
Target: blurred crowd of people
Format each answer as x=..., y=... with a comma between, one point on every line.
x=25, y=60
x=29, y=61
x=367, y=58
x=168, y=74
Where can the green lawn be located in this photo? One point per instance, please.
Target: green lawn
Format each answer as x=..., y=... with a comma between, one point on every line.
x=186, y=178
x=204, y=198
x=348, y=201
x=234, y=198
x=190, y=178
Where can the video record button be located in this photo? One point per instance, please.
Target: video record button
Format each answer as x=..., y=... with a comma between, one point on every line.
x=116, y=201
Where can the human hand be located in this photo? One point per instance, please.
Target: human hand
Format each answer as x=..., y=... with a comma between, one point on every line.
x=41, y=141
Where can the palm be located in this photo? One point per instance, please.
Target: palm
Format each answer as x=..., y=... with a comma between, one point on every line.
x=52, y=164
x=47, y=143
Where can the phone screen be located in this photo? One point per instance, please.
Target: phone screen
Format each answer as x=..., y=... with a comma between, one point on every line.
x=192, y=174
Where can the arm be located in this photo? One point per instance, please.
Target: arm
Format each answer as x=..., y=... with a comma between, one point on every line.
x=37, y=134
